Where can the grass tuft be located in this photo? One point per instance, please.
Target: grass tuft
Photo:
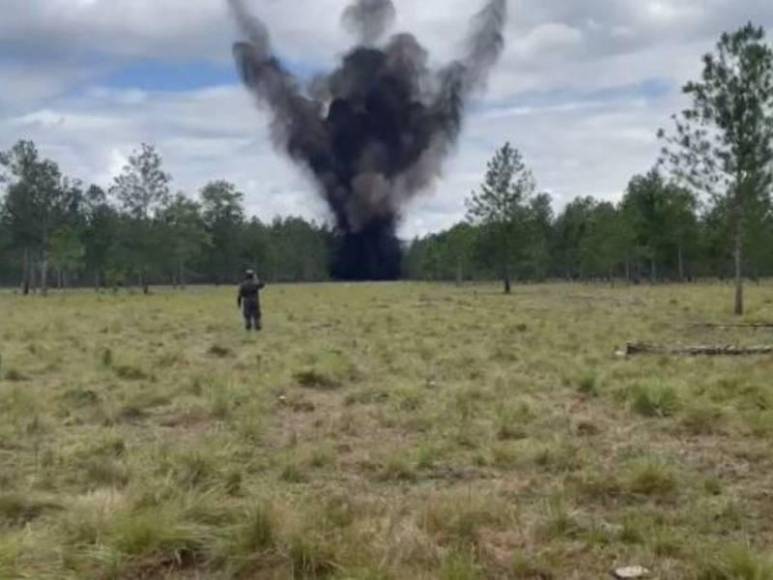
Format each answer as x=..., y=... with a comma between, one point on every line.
x=654, y=400
x=18, y=509
x=737, y=563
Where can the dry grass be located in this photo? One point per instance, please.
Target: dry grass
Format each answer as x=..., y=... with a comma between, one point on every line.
x=377, y=432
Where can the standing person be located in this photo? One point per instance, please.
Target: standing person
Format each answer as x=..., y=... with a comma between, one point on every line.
x=249, y=300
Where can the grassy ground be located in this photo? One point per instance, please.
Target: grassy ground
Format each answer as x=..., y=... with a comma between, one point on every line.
x=383, y=432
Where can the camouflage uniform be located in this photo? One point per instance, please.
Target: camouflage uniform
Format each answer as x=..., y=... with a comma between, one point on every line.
x=249, y=301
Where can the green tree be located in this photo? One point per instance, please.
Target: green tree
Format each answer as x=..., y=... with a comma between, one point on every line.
x=67, y=253
x=605, y=244
x=645, y=206
x=460, y=242
x=539, y=248
x=223, y=214
x=35, y=202
x=142, y=190
x=187, y=234
x=99, y=234
x=569, y=231
x=500, y=206
x=723, y=143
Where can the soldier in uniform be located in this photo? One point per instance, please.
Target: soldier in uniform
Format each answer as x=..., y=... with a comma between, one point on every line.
x=249, y=300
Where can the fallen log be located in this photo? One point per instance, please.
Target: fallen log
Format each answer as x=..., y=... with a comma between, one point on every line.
x=752, y=325
x=636, y=348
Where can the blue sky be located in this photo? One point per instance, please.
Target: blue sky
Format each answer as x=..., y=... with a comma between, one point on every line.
x=582, y=89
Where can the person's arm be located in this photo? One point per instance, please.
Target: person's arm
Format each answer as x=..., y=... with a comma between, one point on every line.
x=261, y=285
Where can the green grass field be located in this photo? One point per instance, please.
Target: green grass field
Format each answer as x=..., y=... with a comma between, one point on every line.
x=377, y=432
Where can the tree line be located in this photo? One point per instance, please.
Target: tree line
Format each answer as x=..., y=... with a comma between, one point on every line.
x=705, y=210
x=55, y=231
x=658, y=232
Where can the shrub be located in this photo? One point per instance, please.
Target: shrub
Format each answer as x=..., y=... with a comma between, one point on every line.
x=589, y=385
x=737, y=563
x=653, y=479
x=655, y=400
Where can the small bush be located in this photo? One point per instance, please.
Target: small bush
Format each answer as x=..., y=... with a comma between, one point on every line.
x=15, y=376
x=292, y=473
x=652, y=479
x=702, y=419
x=105, y=472
x=314, y=379
x=397, y=468
x=258, y=533
x=737, y=563
x=655, y=400
x=528, y=568
x=194, y=470
x=310, y=556
x=155, y=535
x=130, y=373
x=20, y=509
x=459, y=518
x=512, y=421
x=220, y=351
x=559, y=522
x=760, y=423
x=461, y=566
x=80, y=397
x=131, y=413
x=107, y=357
x=589, y=385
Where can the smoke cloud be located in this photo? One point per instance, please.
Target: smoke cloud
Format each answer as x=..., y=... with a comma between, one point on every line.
x=373, y=132
x=369, y=19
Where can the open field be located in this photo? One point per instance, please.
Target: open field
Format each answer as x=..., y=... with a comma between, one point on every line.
x=383, y=432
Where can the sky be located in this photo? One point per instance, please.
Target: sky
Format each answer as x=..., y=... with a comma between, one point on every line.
x=581, y=90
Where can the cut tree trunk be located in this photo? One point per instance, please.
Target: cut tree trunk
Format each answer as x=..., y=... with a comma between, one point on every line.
x=44, y=274
x=738, y=256
x=34, y=276
x=25, y=277
x=636, y=348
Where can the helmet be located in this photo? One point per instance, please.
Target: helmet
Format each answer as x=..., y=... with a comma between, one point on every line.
x=249, y=274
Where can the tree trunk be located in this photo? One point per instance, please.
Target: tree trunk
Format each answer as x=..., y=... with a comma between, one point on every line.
x=627, y=269
x=97, y=283
x=143, y=283
x=44, y=273
x=181, y=276
x=25, y=277
x=738, y=257
x=653, y=271
x=59, y=279
x=506, y=276
x=459, y=273
x=680, y=259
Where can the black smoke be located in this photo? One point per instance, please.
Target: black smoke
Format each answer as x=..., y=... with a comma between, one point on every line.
x=373, y=132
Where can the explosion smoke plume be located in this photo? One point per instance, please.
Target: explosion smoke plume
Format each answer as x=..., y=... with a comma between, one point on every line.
x=373, y=132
